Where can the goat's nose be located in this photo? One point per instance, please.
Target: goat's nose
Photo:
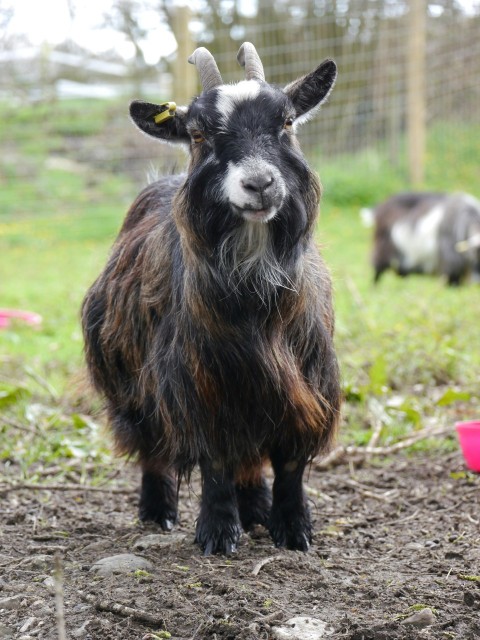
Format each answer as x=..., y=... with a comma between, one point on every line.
x=258, y=183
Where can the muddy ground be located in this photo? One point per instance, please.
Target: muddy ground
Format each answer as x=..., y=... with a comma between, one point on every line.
x=391, y=539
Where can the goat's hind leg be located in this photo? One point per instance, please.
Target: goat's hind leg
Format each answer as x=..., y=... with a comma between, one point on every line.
x=290, y=524
x=159, y=493
x=253, y=496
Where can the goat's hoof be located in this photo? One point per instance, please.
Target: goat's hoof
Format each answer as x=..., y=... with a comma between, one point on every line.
x=211, y=548
x=299, y=542
x=166, y=520
x=213, y=541
x=296, y=536
x=230, y=547
x=220, y=545
x=167, y=525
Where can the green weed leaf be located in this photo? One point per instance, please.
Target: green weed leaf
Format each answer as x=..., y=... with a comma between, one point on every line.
x=12, y=394
x=451, y=395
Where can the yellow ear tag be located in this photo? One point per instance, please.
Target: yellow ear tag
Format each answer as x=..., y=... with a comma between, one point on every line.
x=168, y=112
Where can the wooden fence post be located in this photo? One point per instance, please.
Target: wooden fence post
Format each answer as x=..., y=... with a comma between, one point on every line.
x=416, y=108
x=184, y=74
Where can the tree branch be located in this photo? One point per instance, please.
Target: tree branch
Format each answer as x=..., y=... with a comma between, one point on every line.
x=349, y=452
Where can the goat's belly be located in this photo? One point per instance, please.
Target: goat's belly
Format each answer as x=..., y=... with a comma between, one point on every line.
x=418, y=243
x=246, y=419
x=233, y=404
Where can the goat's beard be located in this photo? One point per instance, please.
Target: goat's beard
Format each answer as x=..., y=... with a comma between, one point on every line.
x=247, y=259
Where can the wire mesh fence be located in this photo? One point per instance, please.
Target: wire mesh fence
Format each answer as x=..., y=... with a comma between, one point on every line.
x=368, y=111
x=371, y=41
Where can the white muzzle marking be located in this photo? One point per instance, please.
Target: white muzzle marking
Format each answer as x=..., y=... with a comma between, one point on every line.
x=252, y=205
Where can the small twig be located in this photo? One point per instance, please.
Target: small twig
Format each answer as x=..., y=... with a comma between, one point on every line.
x=408, y=442
x=122, y=610
x=452, y=507
x=15, y=425
x=367, y=493
x=378, y=426
x=51, y=548
x=59, y=600
x=67, y=466
x=336, y=456
x=12, y=561
x=412, y=516
x=271, y=617
x=60, y=487
x=262, y=563
x=318, y=494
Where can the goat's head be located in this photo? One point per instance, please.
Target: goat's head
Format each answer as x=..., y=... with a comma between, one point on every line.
x=241, y=136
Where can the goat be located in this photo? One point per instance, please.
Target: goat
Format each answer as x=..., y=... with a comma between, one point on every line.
x=210, y=331
x=430, y=233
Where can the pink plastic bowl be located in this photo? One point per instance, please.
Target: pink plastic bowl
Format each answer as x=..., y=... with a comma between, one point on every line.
x=469, y=436
x=7, y=315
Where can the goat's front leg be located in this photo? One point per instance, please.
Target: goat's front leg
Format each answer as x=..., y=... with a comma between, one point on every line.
x=290, y=524
x=218, y=525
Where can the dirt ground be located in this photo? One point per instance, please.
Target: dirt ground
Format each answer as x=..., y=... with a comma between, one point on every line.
x=391, y=539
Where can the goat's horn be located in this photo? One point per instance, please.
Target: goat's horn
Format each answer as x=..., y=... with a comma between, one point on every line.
x=248, y=57
x=207, y=68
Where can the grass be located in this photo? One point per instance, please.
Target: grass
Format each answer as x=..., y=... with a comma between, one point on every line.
x=406, y=346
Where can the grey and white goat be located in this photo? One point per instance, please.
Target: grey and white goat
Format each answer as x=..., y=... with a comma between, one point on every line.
x=430, y=233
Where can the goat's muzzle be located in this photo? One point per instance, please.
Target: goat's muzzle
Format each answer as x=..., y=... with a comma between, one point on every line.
x=255, y=189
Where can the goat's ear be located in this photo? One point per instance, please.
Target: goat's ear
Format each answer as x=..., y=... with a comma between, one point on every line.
x=310, y=91
x=164, y=121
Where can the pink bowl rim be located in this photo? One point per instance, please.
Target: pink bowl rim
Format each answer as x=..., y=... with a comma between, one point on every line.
x=30, y=317
x=473, y=425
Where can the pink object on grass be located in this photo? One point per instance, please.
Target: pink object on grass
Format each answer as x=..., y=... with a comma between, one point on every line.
x=7, y=315
x=469, y=436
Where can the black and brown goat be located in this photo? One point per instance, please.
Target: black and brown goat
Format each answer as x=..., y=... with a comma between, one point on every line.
x=209, y=332
x=430, y=233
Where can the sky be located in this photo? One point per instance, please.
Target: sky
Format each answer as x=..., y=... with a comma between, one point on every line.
x=50, y=21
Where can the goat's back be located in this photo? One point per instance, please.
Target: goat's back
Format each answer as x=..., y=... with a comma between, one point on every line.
x=155, y=200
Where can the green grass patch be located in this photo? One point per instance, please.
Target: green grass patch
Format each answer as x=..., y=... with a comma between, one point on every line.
x=359, y=181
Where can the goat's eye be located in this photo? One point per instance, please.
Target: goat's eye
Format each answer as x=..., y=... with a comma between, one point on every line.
x=198, y=137
x=288, y=124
